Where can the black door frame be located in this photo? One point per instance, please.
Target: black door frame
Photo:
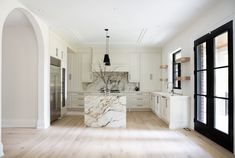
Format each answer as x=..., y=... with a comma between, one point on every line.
x=226, y=140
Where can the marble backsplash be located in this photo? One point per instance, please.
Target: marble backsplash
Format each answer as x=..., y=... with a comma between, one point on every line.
x=118, y=81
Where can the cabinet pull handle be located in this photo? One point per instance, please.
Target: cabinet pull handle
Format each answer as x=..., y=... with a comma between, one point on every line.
x=151, y=76
x=163, y=97
x=70, y=76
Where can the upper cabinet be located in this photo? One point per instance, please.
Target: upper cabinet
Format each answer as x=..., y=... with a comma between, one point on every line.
x=58, y=48
x=134, y=67
x=86, y=65
x=150, y=72
x=73, y=72
x=119, y=61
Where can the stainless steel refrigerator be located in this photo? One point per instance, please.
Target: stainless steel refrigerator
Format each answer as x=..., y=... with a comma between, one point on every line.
x=55, y=89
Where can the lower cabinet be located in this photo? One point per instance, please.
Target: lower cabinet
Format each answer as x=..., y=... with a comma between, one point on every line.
x=138, y=101
x=173, y=110
x=75, y=100
x=165, y=109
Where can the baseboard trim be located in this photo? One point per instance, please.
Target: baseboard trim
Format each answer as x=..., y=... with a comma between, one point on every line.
x=1, y=150
x=19, y=123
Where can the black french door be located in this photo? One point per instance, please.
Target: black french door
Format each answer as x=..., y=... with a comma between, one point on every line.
x=213, y=96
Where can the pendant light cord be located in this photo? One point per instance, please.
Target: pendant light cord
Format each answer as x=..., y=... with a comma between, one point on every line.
x=107, y=41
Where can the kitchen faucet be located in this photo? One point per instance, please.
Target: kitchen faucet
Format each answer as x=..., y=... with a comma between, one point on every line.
x=168, y=86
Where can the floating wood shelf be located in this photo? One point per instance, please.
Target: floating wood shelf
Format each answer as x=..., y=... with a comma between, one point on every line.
x=163, y=79
x=183, y=60
x=184, y=78
x=163, y=66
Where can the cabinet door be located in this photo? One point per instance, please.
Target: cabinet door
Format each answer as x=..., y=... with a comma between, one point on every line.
x=158, y=106
x=150, y=72
x=165, y=113
x=73, y=72
x=134, y=72
x=153, y=103
x=86, y=68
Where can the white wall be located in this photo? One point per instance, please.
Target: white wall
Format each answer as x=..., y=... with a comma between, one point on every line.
x=41, y=30
x=19, y=74
x=218, y=15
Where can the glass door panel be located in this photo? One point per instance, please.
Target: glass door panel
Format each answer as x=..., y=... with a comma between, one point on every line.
x=201, y=56
x=201, y=109
x=201, y=82
x=221, y=50
x=221, y=82
x=221, y=115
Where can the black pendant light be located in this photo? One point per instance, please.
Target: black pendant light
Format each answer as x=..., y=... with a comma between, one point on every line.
x=106, y=55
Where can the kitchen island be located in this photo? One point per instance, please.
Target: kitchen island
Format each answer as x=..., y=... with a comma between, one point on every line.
x=105, y=111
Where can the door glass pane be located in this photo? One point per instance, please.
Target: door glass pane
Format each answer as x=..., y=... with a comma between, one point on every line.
x=201, y=82
x=221, y=82
x=201, y=109
x=201, y=56
x=221, y=115
x=221, y=50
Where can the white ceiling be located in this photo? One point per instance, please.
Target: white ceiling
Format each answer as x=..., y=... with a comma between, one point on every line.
x=82, y=22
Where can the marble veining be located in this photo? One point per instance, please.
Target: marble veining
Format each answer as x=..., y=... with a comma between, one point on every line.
x=118, y=81
x=105, y=111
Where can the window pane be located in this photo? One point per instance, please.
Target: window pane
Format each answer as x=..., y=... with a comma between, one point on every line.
x=221, y=50
x=201, y=109
x=221, y=115
x=221, y=82
x=201, y=56
x=201, y=82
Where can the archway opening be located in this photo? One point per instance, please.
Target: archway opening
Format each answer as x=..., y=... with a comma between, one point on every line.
x=19, y=72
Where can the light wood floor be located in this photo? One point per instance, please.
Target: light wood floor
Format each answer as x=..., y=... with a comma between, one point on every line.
x=146, y=136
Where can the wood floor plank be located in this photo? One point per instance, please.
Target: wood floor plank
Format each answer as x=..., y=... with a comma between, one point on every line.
x=146, y=136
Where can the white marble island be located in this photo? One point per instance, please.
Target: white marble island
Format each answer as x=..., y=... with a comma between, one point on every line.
x=105, y=111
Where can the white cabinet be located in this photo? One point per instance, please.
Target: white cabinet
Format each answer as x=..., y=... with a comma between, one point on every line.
x=158, y=109
x=150, y=71
x=165, y=109
x=134, y=67
x=153, y=102
x=57, y=47
x=138, y=101
x=73, y=72
x=75, y=100
x=118, y=62
x=174, y=110
x=87, y=75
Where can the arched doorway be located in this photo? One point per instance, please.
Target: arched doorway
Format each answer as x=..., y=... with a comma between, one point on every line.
x=19, y=72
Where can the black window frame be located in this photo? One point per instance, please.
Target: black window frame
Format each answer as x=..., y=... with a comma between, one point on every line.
x=174, y=63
